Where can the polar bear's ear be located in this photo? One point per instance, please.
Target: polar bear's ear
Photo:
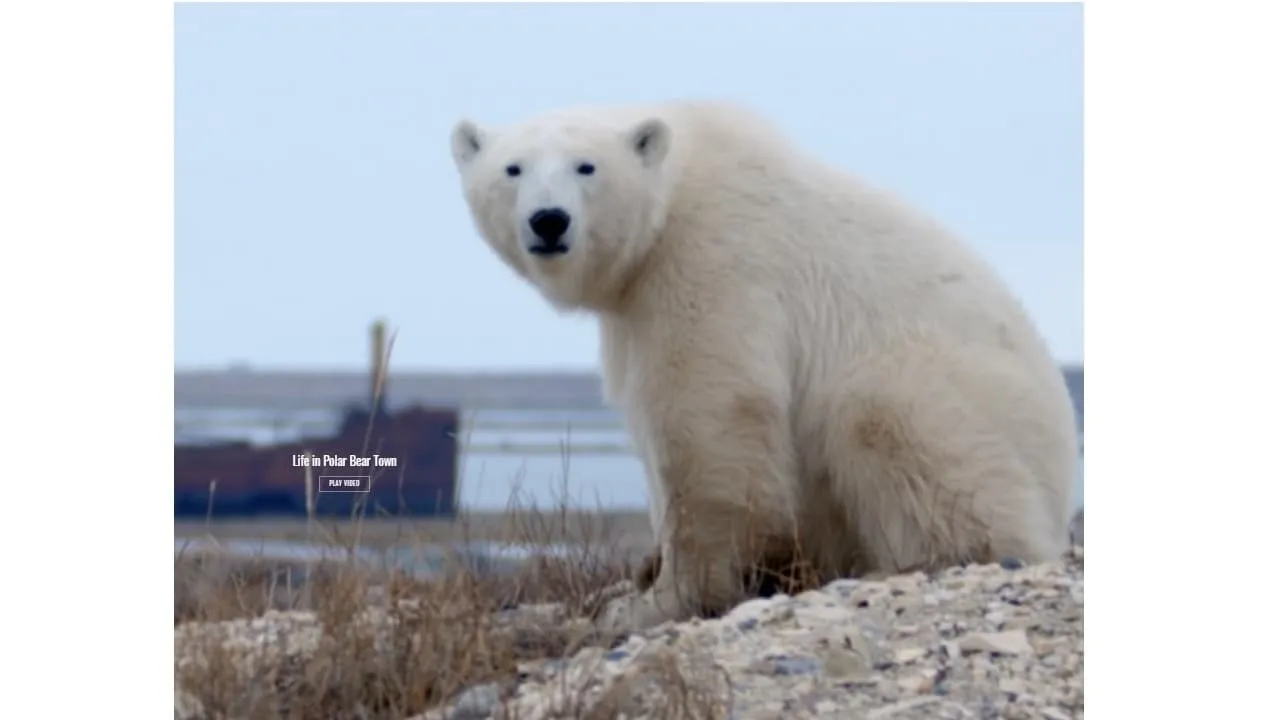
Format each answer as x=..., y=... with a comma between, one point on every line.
x=650, y=140
x=468, y=139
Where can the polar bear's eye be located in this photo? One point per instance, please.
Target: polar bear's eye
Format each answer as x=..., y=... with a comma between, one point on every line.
x=513, y=170
x=586, y=168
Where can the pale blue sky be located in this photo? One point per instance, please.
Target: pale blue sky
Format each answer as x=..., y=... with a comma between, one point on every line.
x=314, y=188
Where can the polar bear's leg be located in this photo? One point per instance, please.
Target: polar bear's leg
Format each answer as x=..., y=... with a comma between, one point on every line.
x=728, y=467
x=645, y=575
x=936, y=459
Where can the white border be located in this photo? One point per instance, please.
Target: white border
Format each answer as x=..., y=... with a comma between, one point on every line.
x=86, y=233
x=1181, y=304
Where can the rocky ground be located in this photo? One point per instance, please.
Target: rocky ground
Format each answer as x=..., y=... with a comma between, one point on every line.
x=995, y=641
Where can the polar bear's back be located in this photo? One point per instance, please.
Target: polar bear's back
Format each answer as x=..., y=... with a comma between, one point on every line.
x=749, y=197
x=813, y=259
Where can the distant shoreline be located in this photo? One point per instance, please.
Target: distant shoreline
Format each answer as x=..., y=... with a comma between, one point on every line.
x=295, y=389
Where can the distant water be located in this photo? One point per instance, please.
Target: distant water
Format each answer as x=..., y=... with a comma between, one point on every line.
x=488, y=481
x=420, y=560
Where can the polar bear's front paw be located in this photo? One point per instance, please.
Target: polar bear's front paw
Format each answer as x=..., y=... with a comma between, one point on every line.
x=596, y=603
x=631, y=613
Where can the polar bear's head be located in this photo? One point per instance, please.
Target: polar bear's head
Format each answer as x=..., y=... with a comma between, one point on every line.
x=571, y=203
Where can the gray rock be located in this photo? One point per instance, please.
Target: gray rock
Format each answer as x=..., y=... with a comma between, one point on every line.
x=787, y=666
x=476, y=703
x=1012, y=563
x=1077, y=528
x=1009, y=642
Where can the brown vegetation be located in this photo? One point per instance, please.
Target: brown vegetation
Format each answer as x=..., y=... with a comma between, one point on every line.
x=450, y=633
x=448, y=630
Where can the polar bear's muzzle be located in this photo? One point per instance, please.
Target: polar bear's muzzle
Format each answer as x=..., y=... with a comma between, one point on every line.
x=549, y=226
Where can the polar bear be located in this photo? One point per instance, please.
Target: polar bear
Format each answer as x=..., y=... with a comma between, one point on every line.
x=808, y=368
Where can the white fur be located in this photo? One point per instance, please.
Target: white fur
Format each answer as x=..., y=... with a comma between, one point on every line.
x=799, y=356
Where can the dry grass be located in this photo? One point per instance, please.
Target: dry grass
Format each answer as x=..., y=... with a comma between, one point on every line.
x=450, y=632
x=446, y=639
x=630, y=527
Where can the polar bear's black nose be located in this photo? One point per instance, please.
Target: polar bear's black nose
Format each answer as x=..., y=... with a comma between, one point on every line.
x=549, y=225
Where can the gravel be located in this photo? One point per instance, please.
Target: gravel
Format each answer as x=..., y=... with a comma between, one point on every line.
x=995, y=641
